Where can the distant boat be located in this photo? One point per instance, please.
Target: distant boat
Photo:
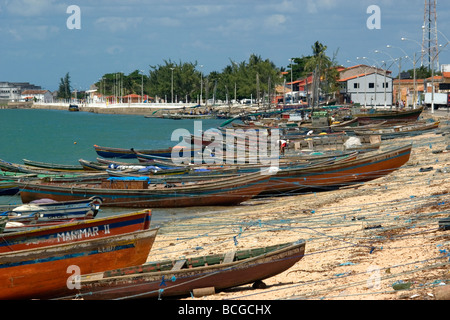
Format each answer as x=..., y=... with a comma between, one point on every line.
x=391, y=116
x=73, y=107
x=121, y=153
x=180, y=278
x=400, y=130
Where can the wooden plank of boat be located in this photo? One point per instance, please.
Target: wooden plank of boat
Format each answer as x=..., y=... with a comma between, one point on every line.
x=51, y=271
x=137, y=193
x=160, y=279
x=49, y=234
x=339, y=174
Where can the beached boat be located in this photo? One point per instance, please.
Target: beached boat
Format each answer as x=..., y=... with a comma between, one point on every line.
x=121, y=153
x=47, y=210
x=136, y=192
x=43, y=273
x=8, y=187
x=182, y=277
x=53, y=166
x=54, y=233
x=400, y=130
x=390, y=116
x=137, y=168
x=325, y=176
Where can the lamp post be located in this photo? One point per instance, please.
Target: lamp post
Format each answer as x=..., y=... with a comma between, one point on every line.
x=365, y=81
x=201, y=84
x=172, y=83
x=292, y=83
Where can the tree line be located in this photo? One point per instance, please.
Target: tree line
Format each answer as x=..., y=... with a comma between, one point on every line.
x=254, y=78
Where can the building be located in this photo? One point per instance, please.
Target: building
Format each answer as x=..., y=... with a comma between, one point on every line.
x=12, y=91
x=37, y=96
x=365, y=85
x=408, y=91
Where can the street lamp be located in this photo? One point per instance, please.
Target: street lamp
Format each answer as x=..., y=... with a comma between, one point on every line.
x=365, y=81
x=201, y=84
x=172, y=83
x=142, y=86
x=292, y=83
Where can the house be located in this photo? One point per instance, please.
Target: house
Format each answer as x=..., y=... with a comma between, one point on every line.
x=37, y=95
x=366, y=85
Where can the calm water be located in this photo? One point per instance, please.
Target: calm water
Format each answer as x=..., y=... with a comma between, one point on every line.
x=64, y=137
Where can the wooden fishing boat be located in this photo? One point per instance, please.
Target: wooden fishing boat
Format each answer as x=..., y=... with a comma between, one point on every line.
x=49, y=234
x=136, y=192
x=391, y=116
x=53, y=176
x=73, y=107
x=137, y=168
x=121, y=153
x=53, y=166
x=51, y=271
x=364, y=168
x=8, y=187
x=182, y=277
x=48, y=209
x=400, y=130
x=65, y=231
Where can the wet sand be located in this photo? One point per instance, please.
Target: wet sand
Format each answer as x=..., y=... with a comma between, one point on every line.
x=360, y=241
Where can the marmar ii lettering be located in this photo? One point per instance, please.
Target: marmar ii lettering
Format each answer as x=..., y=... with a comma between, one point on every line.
x=233, y=309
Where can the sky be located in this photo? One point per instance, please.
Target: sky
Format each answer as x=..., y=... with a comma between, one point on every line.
x=42, y=40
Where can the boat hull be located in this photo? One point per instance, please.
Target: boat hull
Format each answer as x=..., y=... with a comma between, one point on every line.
x=231, y=192
x=46, y=272
x=136, y=283
x=340, y=174
x=75, y=231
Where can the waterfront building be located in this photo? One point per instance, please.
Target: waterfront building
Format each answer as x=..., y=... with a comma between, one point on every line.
x=366, y=85
x=12, y=91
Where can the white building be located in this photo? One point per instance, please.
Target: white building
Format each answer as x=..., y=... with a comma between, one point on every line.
x=373, y=88
x=37, y=95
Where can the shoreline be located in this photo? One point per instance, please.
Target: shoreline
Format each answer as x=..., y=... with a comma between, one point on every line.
x=360, y=240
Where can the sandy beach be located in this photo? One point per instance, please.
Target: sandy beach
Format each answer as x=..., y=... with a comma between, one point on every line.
x=361, y=241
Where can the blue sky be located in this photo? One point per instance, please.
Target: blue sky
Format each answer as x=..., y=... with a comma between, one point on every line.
x=122, y=36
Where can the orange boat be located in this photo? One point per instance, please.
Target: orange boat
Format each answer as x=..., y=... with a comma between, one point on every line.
x=53, y=271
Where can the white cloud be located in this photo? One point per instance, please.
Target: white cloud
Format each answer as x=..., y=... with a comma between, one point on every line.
x=317, y=6
x=31, y=8
x=118, y=24
x=275, y=21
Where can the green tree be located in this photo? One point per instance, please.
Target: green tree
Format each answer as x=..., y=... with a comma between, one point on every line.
x=255, y=78
x=186, y=81
x=64, y=89
x=324, y=71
